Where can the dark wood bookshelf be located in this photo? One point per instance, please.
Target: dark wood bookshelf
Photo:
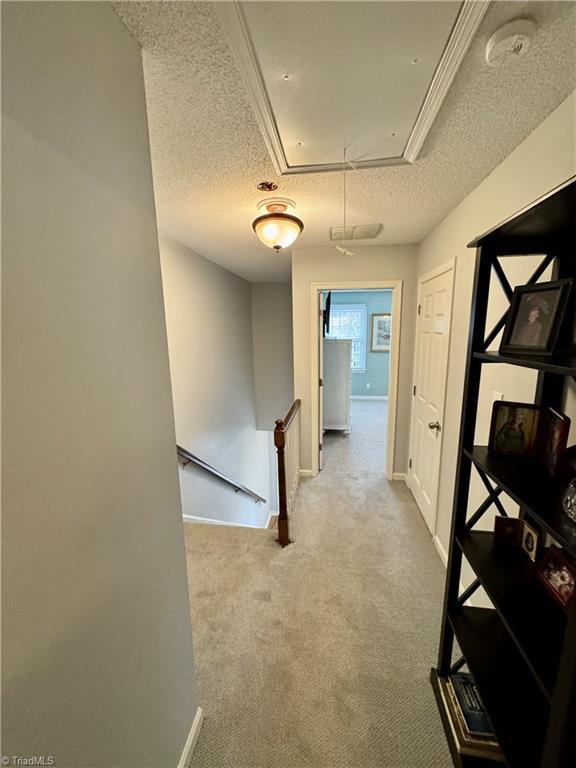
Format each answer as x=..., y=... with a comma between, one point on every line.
x=522, y=651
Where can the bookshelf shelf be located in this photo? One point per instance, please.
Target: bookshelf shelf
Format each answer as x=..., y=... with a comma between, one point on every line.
x=564, y=365
x=529, y=485
x=521, y=652
x=509, y=578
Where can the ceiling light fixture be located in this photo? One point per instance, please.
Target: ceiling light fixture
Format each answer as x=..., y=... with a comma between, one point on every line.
x=277, y=229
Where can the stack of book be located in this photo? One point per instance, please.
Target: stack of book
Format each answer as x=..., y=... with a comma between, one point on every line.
x=471, y=727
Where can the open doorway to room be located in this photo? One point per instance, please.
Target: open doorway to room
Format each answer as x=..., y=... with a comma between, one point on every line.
x=357, y=364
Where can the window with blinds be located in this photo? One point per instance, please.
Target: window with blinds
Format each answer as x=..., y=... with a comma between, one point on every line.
x=349, y=321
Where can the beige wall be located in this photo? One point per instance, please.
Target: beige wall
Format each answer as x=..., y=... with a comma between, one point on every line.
x=97, y=645
x=325, y=265
x=209, y=322
x=273, y=353
x=545, y=159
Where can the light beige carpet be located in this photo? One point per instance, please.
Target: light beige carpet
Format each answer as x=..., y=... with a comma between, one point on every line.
x=318, y=655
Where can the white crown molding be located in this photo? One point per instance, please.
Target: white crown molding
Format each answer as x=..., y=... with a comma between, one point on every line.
x=234, y=25
x=466, y=26
x=236, y=30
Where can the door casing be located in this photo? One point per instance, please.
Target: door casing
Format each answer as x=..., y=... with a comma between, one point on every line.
x=357, y=285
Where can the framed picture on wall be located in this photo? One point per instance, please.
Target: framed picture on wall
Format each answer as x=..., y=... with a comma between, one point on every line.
x=381, y=332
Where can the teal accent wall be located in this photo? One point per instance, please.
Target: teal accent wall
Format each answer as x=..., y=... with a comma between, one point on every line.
x=377, y=363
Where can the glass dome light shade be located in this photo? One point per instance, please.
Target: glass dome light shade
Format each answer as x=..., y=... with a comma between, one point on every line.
x=277, y=230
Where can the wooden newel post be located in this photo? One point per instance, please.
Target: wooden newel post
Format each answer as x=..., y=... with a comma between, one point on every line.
x=280, y=443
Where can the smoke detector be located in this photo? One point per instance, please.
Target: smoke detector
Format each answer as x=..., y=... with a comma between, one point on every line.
x=509, y=42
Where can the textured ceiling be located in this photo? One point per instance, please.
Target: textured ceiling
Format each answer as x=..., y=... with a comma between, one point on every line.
x=208, y=153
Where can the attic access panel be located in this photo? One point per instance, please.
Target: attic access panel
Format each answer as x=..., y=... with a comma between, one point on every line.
x=372, y=75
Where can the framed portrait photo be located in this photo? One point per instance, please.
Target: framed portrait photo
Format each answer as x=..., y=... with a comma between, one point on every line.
x=554, y=429
x=558, y=574
x=514, y=428
x=381, y=332
x=535, y=318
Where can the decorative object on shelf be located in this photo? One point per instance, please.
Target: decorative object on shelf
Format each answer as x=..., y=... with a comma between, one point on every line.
x=567, y=478
x=508, y=530
x=514, y=428
x=558, y=574
x=381, y=332
x=277, y=228
x=529, y=541
x=553, y=438
x=526, y=430
x=569, y=500
x=535, y=318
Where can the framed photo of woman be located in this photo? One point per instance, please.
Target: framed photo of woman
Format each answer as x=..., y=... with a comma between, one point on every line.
x=514, y=428
x=535, y=318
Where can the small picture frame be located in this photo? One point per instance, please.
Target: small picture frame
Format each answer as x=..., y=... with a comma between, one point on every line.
x=535, y=318
x=514, y=428
x=569, y=500
x=529, y=541
x=381, y=332
x=558, y=574
x=508, y=530
x=554, y=429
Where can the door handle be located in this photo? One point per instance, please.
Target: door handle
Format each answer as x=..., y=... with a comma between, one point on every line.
x=434, y=425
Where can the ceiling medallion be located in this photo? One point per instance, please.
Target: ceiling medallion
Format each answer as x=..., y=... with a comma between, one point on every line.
x=277, y=228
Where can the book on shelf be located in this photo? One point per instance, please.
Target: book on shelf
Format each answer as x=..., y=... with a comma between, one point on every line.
x=470, y=704
x=466, y=742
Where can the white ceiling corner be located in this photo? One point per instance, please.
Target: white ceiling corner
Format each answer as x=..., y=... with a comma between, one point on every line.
x=234, y=24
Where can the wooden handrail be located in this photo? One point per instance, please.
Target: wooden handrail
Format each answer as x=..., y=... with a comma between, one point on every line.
x=190, y=458
x=282, y=426
x=287, y=420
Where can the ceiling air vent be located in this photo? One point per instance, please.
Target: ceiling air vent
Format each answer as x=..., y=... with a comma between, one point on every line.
x=358, y=232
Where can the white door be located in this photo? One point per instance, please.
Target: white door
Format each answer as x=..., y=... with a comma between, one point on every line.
x=430, y=369
x=320, y=380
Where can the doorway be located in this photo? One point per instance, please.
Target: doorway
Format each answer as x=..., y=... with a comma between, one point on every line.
x=371, y=359
x=428, y=401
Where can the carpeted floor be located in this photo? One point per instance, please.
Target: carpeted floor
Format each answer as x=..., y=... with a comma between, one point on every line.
x=318, y=655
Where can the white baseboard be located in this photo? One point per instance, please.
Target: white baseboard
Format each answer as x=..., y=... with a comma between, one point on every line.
x=402, y=476
x=369, y=397
x=306, y=473
x=210, y=521
x=441, y=551
x=191, y=740
x=270, y=516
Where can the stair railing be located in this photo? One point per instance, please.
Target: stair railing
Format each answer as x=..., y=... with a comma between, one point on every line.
x=287, y=442
x=190, y=458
